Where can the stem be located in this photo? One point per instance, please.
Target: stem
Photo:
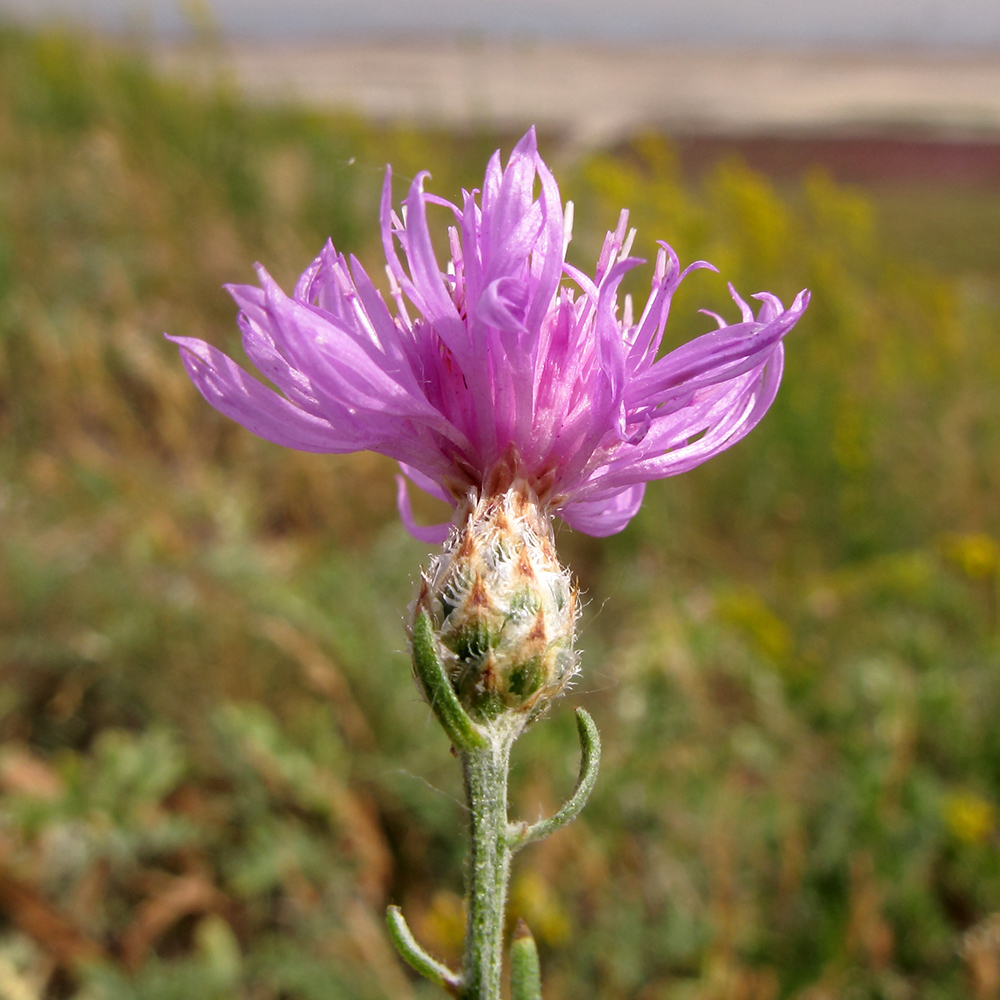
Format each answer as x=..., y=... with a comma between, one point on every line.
x=489, y=867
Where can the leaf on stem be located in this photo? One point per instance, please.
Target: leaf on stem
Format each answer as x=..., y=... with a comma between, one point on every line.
x=520, y=834
x=415, y=956
x=525, y=974
x=461, y=730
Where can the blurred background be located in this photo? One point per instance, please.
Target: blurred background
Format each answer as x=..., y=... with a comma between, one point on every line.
x=215, y=771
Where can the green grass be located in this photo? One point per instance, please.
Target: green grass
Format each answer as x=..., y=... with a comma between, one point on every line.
x=215, y=769
x=951, y=228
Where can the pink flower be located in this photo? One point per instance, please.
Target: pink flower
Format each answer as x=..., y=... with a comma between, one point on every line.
x=495, y=363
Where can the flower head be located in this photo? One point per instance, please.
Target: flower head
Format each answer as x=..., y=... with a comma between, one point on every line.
x=494, y=369
x=501, y=609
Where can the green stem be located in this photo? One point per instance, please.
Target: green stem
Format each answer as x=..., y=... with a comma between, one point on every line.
x=489, y=868
x=492, y=842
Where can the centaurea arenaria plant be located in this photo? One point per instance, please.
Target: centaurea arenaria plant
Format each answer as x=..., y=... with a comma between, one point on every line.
x=513, y=396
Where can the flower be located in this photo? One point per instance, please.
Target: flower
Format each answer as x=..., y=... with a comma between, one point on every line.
x=496, y=368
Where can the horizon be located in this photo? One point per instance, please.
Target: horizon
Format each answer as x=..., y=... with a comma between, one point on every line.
x=932, y=24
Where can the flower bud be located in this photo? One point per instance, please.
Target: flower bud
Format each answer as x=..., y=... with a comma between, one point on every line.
x=502, y=609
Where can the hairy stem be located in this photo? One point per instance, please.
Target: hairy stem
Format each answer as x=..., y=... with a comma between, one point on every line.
x=489, y=868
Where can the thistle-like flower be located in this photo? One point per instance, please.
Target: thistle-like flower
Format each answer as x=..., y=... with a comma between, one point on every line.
x=492, y=375
x=512, y=396
x=494, y=360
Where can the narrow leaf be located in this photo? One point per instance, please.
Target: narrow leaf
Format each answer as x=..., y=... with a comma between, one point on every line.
x=461, y=730
x=520, y=834
x=525, y=974
x=415, y=956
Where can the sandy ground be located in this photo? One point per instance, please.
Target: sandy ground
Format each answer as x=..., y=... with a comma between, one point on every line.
x=598, y=95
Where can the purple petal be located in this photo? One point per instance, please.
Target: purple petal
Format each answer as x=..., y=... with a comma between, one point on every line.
x=426, y=484
x=433, y=534
x=238, y=395
x=605, y=517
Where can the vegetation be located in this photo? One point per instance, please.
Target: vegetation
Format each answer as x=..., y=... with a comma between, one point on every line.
x=215, y=772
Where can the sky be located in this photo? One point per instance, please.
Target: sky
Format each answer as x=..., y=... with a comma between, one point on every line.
x=878, y=23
